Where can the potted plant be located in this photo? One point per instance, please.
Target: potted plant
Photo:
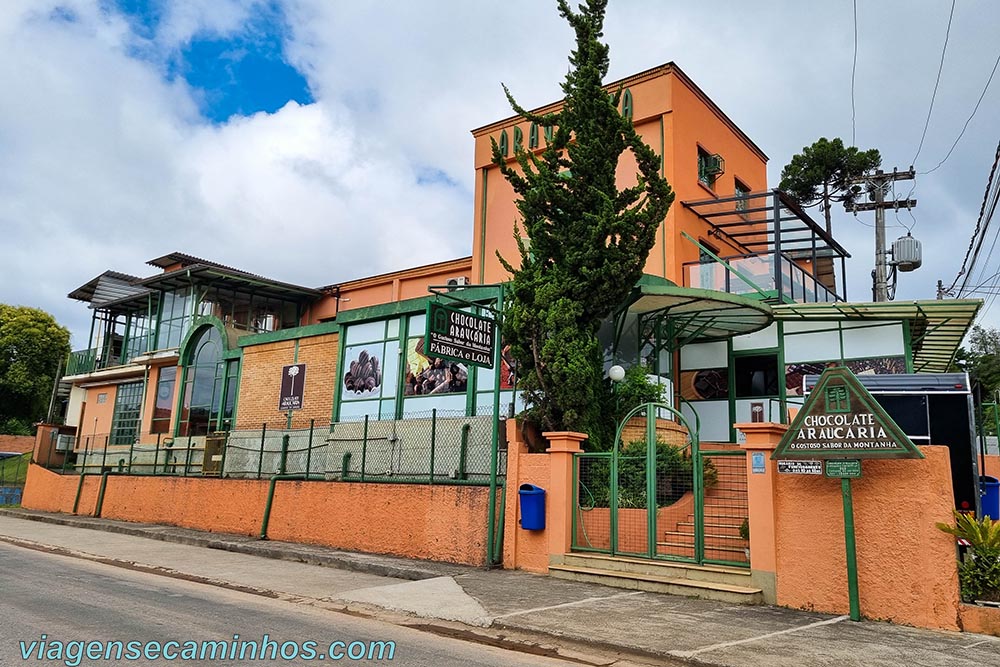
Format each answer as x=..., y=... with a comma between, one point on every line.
x=979, y=573
x=745, y=535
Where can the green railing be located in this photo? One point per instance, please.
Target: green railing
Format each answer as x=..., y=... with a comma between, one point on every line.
x=81, y=361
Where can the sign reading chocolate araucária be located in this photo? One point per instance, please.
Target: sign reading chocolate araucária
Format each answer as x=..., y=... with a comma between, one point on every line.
x=460, y=336
x=842, y=420
x=841, y=424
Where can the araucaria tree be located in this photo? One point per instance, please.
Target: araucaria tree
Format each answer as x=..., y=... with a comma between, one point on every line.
x=824, y=173
x=587, y=240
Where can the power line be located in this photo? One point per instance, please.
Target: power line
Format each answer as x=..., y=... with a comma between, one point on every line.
x=996, y=236
x=854, y=70
x=937, y=81
x=979, y=223
x=969, y=119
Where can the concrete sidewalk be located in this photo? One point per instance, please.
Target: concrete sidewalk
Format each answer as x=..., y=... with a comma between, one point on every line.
x=502, y=605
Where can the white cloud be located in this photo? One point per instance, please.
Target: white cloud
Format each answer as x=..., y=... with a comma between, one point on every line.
x=107, y=165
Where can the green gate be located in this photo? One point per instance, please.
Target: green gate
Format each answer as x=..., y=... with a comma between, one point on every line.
x=658, y=495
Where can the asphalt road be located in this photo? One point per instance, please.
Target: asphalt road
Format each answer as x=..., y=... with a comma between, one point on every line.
x=72, y=600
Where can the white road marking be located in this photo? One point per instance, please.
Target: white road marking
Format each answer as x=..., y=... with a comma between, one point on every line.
x=567, y=604
x=714, y=647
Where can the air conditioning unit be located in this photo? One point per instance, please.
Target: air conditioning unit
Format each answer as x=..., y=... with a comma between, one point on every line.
x=714, y=165
x=458, y=282
x=64, y=443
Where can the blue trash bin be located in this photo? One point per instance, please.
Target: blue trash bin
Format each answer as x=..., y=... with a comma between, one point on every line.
x=989, y=490
x=532, y=507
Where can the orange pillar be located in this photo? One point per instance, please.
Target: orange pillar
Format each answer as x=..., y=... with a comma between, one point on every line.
x=559, y=513
x=761, y=440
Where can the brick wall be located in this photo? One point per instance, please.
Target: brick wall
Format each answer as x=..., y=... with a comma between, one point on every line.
x=260, y=383
x=17, y=443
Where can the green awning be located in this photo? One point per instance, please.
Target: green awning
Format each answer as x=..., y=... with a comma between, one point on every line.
x=936, y=327
x=699, y=315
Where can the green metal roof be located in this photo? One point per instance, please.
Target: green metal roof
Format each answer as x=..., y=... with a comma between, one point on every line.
x=936, y=327
x=699, y=314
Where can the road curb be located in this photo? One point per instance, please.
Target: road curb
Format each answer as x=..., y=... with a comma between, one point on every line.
x=499, y=635
x=286, y=551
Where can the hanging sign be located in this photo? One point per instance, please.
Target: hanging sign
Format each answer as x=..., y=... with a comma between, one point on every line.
x=293, y=381
x=841, y=420
x=460, y=336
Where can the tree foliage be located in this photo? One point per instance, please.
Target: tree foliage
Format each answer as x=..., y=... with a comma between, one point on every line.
x=823, y=174
x=981, y=359
x=32, y=344
x=587, y=241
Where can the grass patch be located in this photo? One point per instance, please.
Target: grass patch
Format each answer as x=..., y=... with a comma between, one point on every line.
x=14, y=470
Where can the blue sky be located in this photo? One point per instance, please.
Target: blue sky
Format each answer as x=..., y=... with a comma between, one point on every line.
x=238, y=73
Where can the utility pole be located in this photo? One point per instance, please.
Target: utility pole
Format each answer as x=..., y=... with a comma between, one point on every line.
x=877, y=186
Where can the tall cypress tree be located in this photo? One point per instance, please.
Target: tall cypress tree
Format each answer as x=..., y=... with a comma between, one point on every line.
x=587, y=240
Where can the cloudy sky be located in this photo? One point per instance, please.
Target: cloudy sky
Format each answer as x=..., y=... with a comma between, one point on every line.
x=316, y=141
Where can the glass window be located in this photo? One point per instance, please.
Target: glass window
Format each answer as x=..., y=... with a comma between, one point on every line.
x=125, y=420
x=518, y=139
x=756, y=375
x=164, y=407
x=175, y=318
x=432, y=375
x=503, y=143
x=743, y=196
x=209, y=386
x=533, y=135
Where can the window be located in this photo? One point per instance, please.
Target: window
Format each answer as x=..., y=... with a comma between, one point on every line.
x=503, y=143
x=175, y=318
x=756, y=375
x=125, y=420
x=533, y=136
x=549, y=133
x=710, y=167
x=627, y=104
x=209, y=386
x=164, y=407
x=743, y=196
x=518, y=139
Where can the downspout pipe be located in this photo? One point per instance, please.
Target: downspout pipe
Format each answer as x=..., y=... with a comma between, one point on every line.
x=270, y=496
x=100, y=494
x=79, y=490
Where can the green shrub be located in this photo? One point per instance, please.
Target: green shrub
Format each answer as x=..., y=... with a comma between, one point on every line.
x=979, y=574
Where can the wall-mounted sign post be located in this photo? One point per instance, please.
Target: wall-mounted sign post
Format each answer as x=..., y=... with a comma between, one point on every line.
x=840, y=424
x=293, y=383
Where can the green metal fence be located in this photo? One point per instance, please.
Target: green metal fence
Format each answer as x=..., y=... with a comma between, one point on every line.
x=13, y=471
x=438, y=448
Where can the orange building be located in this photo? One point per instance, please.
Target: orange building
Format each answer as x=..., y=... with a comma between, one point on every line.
x=199, y=348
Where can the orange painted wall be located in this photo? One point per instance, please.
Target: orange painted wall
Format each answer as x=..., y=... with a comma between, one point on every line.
x=97, y=416
x=981, y=620
x=673, y=117
x=17, y=443
x=389, y=287
x=524, y=549
x=260, y=382
x=991, y=466
x=441, y=522
x=696, y=125
x=52, y=492
x=907, y=568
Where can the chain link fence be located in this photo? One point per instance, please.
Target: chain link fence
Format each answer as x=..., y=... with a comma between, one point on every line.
x=434, y=448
